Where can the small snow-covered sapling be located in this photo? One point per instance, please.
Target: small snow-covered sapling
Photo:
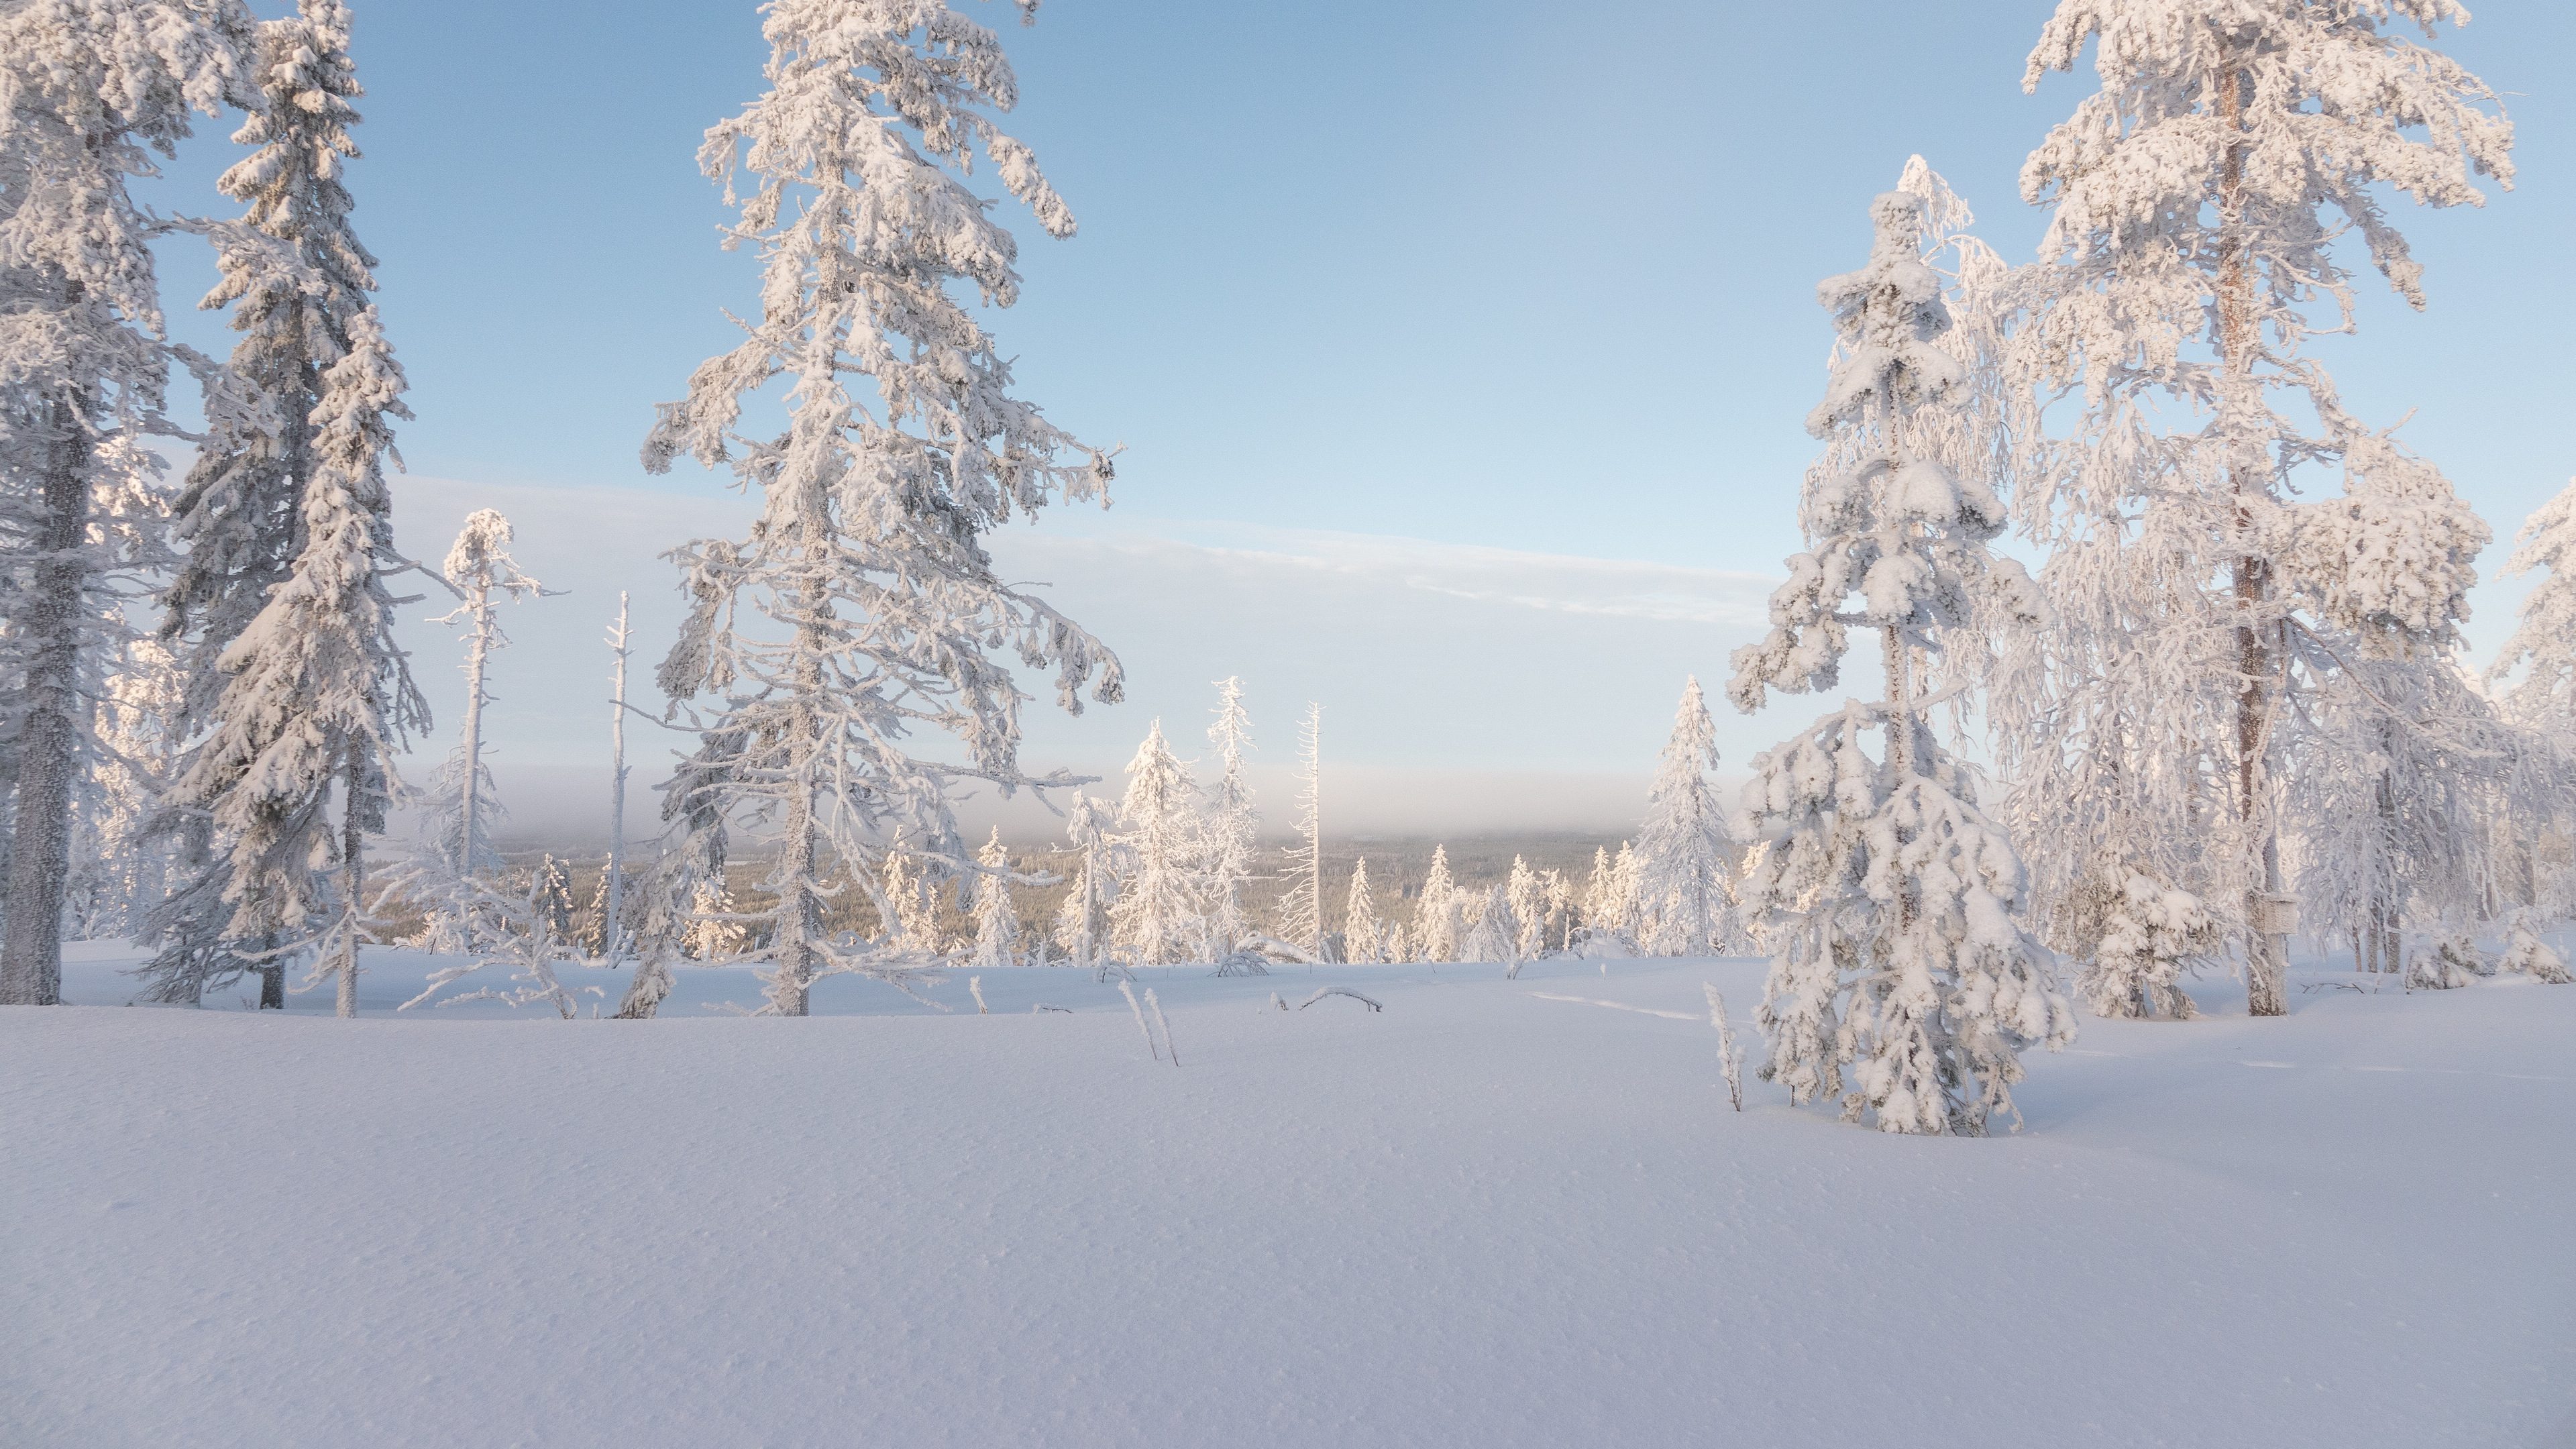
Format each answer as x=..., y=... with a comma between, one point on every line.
x=1730, y=1057
x=1157, y=1005
x=1130, y=993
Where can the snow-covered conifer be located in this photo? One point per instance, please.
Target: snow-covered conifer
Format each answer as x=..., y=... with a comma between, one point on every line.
x=1082, y=922
x=1612, y=916
x=1526, y=889
x=1364, y=934
x=997, y=921
x=1496, y=936
x=715, y=930
x=911, y=922
x=2545, y=637
x=1886, y=896
x=2190, y=244
x=1156, y=917
x=319, y=696
x=1231, y=829
x=861, y=608
x=88, y=94
x=140, y=716
x=1301, y=911
x=2446, y=958
x=550, y=902
x=2140, y=939
x=1685, y=858
x=1435, y=923
x=2525, y=953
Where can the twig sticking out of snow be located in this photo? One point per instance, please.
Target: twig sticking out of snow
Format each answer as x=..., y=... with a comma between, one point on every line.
x=1042, y=1006
x=975, y=987
x=1730, y=1057
x=1130, y=993
x=1278, y=1001
x=1323, y=991
x=1165, y=1025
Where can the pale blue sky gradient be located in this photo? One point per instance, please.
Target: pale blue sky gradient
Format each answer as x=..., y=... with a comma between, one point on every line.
x=1514, y=276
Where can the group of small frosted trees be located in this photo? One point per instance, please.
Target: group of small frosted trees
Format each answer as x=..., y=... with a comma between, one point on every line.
x=1159, y=877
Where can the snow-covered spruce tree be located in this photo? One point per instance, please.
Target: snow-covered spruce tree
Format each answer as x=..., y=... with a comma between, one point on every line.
x=2545, y=637
x=1301, y=910
x=88, y=94
x=1082, y=921
x=1887, y=897
x=715, y=928
x=664, y=909
x=1496, y=936
x=2188, y=248
x=2141, y=937
x=1231, y=831
x=441, y=875
x=140, y=711
x=2526, y=954
x=860, y=608
x=1156, y=919
x=320, y=699
x=1685, y=857
x=297, y=278
x=2542, y=700
x=550, y=901
x=1528, y=895
x=1435, y=928
x=911, y=925
x=1364, y=934
x=997, y=921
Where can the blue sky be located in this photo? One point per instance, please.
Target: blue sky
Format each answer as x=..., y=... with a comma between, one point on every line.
x=1369, y=292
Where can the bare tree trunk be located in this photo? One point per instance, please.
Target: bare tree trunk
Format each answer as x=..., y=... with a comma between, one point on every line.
x=479, y=609
x=2266, y=963
x=31, y=951
x=353, y=876
x=610, y=930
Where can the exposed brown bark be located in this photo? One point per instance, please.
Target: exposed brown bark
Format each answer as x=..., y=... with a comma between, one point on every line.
x=2266, y=970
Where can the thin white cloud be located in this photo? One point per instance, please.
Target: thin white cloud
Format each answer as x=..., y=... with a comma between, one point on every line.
x=1465, y=686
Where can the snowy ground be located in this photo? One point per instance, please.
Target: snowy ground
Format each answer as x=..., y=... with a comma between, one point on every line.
x=1486, y=1216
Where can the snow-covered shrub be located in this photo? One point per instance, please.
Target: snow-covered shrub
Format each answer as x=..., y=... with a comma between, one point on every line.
x=2141, y=935
x=2525, y=954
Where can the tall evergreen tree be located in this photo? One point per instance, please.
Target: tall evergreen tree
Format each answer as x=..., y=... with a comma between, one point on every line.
x=860, y=608
x=1082, y=920
x=1232, y=828
x=1156, y=917
x=997, y=921
x=246, y=513
x=1301, y=911
x=1887, y=897
x=1364, y=933
x=1435, y=911
x=1684, y=855
x=88, y=94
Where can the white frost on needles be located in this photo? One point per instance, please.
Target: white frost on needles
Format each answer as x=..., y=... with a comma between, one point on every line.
x=1888, y=898
x=862, y=610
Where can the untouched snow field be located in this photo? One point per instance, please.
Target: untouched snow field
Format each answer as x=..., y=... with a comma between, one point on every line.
x=1482, y=1217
